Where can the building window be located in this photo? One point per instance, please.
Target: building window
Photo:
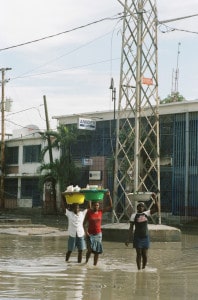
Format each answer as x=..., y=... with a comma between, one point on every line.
x=11, y=155
x=29, y=187
x=31, y=153
x=11, y=188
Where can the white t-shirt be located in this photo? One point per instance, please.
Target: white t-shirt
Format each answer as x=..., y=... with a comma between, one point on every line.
x=147, y=212
x=75, y=223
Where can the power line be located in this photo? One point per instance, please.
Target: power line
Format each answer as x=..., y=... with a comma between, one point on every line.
x=177, y=19
x=61, y=70
x=12, y=122
x=63, y=55
x=33, y=107
x=24, y=110
x=118, y=16
x=111, y=18
x=171, y=29
x=21, y=126
x=174, y=20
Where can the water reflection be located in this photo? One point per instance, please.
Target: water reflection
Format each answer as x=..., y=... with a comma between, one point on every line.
x=33, y=267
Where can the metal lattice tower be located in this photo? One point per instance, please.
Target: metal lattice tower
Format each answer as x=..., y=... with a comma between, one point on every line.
x=137, y=147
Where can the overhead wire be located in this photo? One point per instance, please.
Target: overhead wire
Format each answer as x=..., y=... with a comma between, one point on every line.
x=72, y=51
x=63, y=55
x=14, y=123
x=171, y=29
x=23, y=110
x=70, y=68
x=22, y=126
x=121, y=15
x=118, y=16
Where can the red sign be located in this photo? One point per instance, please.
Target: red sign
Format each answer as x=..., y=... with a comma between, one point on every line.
x=148, y=81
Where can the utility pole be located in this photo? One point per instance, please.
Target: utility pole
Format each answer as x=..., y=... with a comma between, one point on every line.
x=48, y=128
x=137, y=167
x=3, y=81
x=137, y=157
x=50, y=152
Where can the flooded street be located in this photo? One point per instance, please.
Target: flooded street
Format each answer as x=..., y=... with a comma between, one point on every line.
x=34, y=267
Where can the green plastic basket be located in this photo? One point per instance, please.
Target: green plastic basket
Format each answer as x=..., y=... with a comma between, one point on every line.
x=94, y=195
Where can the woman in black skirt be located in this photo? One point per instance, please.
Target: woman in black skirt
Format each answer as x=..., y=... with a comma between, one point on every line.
x=140, y=236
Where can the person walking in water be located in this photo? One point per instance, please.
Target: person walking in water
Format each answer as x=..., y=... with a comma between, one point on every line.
x=75, y=230
x=92, y=226
x=140, y=236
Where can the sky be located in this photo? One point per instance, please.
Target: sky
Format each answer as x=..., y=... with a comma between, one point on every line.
x=73, y=70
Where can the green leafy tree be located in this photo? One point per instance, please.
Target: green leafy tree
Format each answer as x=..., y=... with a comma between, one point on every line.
x=173, y=97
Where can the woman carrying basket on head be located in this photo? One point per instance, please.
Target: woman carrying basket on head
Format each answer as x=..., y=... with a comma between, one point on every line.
x=140, y=236
x=92, y=226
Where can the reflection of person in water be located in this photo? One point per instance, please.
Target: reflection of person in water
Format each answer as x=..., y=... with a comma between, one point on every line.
x=140, y=237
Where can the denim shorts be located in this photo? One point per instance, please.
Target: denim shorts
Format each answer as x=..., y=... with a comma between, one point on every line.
x=76, y=242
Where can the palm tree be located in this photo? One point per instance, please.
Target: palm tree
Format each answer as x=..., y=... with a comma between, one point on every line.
x=60, y=171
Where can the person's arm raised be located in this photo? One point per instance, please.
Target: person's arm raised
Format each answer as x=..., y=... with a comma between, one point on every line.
x=108, y=207
x=155, y=206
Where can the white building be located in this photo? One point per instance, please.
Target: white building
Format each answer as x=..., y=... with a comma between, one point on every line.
x=23, y=158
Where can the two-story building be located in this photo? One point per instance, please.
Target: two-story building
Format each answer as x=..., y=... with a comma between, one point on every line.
x=23, y=159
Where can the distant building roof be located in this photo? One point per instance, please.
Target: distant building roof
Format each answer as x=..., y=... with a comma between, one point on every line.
x=164, y=109
x=26, y=132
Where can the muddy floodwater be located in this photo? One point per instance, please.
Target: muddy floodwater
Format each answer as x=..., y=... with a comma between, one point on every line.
x=33, y=267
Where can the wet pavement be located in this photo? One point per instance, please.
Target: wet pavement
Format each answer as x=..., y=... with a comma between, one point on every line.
x=32, y=266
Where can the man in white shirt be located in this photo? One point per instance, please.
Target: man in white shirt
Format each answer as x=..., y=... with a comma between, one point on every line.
x=76, y=231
